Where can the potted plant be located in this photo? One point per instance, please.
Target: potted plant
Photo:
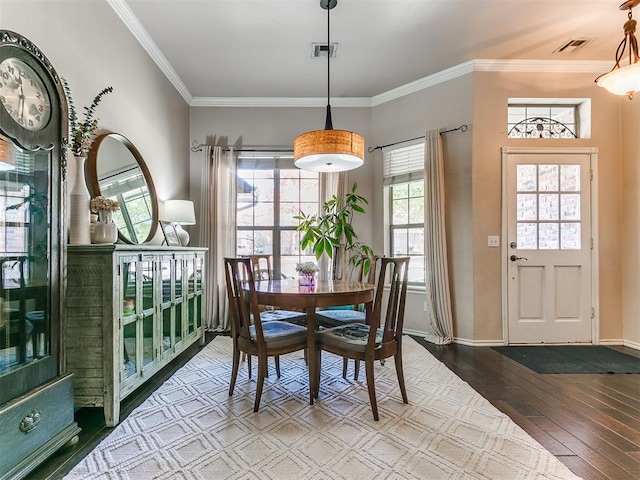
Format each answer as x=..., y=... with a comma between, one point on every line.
x=332, y=231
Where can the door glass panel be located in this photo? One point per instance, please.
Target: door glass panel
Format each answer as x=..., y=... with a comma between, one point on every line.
x=527, y=236
x=570, y=178
x=548, y=178
x=166, y=330
x=548, y=236
x=527, y=206
x=548, y=209
x=527, y=178
x=178, y=323
x=191, y=326
x=165, y=268
x=191, y=276
x=129, y=365
x=147, y=340
x=548, y=202
x=178, y=279
x=129, y=288
x=147, y=284
x=570, y=206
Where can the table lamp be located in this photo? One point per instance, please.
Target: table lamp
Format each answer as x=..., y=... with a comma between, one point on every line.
x=178, y=213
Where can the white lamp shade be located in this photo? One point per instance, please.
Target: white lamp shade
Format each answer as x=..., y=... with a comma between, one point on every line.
x=622, y=81
x=180, y=212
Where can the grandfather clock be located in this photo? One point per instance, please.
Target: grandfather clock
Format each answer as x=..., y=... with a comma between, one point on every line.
x=36, y=395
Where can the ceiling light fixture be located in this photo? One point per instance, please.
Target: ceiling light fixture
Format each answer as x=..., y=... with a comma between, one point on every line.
x=328, y=150
x=624, y=80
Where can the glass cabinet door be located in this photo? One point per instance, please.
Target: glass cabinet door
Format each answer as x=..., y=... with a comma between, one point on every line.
x=27, y=331
x=194, y=301
x=148, y=281
x=179, y=294
x=166, y=275
x=129, y=315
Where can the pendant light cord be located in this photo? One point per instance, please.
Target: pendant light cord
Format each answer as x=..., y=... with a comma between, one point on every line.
x=328, y=124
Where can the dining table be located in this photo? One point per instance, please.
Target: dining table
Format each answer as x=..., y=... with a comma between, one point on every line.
x=288, y=294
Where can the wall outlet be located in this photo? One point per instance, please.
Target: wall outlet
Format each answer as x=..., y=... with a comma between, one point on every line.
x=493, y=241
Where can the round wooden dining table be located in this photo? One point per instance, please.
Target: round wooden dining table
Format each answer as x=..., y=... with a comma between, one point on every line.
x=287, y=294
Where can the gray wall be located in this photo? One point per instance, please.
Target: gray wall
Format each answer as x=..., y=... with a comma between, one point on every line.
x=91, y=48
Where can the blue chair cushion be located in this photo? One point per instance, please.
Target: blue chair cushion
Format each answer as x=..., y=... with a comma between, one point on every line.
x=353, y=336
x=282, y=315
x=277, y=334
x=336, y=318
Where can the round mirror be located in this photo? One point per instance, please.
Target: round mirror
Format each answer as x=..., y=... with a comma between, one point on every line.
x=117, y=171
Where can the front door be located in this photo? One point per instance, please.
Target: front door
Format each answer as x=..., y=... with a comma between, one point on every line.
x=548, y=248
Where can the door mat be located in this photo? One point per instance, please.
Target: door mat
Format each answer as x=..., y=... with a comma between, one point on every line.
x=572, y=359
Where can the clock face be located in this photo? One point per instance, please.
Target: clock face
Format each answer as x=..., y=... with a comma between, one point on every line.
x=23, y=95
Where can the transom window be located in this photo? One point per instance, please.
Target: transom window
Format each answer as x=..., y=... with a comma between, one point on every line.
x=270, y=192
x=542, y=121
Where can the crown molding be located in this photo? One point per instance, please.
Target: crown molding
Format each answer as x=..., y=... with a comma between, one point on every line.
x=131, y=22
x=281, y=102
x=542, y=66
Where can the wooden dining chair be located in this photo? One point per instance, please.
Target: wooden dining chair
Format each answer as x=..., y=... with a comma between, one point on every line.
x=352, y=313
x=249, y=333
x=381, y=336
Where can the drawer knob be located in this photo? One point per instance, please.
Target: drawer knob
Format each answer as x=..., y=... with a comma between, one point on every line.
x=31, y=421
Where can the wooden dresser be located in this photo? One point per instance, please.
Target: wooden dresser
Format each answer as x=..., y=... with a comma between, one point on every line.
x=130, y=310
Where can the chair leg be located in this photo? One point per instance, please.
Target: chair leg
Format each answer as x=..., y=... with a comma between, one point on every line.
x=249, y=365
x=262, y=373
x=318, y=368
x=345, y=364
x=400, y=373
x=234, y=370
x=356, y=369
x=277, y=362
x=371, y=386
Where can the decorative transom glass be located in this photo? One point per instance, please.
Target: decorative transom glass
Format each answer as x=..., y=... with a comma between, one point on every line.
x=548, y=207
x=542, y=121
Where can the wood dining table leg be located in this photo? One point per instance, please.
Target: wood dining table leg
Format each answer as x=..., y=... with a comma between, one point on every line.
x=311, y=353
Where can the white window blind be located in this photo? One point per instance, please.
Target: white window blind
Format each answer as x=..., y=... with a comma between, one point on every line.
x=403, y=164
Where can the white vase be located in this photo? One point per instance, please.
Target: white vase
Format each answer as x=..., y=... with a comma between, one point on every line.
x=79, y=213
x=105, y=231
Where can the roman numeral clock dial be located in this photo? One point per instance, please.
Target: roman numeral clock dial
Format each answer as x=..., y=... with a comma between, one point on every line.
x=23, y=95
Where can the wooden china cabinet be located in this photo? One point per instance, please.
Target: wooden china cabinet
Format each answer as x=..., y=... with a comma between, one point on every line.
x=36, y=393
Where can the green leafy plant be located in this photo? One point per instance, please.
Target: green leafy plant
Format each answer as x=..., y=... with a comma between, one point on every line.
x=333, y=230
x=83, y=132
x=307, y=267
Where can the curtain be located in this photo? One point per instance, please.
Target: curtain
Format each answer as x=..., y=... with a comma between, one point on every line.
x=330, y=184
x=438, y=297
x=217, y=213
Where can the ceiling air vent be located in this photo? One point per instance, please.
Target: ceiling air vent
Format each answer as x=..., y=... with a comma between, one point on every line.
x=319, y=50
x=573, y=45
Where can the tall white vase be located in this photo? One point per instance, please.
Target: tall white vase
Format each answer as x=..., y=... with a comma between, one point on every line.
x=79, y=210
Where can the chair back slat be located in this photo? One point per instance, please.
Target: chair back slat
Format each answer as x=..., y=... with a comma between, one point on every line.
x=262, y=267
x=396, y=269
x=244, y=308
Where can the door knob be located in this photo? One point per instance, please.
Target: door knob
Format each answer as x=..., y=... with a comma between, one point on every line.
x=514, y=258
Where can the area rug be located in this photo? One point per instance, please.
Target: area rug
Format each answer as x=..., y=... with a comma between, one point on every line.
x=191, y=429
x=572, y=359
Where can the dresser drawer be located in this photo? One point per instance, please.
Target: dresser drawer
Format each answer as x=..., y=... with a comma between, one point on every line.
x=29, y=422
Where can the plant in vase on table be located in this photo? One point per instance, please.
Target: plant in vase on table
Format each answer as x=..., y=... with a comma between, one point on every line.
x=105, y=231
x=82, y=133
x=307, y=273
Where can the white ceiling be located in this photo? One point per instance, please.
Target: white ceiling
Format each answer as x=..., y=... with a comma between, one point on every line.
x=233, y=49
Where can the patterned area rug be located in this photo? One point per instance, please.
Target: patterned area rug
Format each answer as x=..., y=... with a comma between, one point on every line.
x=191, y=429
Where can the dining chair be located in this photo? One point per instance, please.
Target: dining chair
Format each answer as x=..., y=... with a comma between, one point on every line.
x=249, y=333
x=352, y=313
x=381, y=336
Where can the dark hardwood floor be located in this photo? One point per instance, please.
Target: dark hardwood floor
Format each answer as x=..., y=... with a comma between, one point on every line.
x=590, y=422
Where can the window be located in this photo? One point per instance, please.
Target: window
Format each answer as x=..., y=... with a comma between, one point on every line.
x=404, y=187
x=270, y=192
x=555, y=118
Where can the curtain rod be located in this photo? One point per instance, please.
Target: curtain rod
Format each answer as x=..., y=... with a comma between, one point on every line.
x=195, y=147
x=462, y=128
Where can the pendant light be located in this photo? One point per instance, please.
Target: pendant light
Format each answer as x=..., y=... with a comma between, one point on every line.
x=624, y=80
x=328, y=150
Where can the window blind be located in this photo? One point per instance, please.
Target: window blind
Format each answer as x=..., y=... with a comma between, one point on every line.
x=403, y=164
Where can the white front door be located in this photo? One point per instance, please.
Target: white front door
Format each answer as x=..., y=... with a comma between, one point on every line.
x=548, y=245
